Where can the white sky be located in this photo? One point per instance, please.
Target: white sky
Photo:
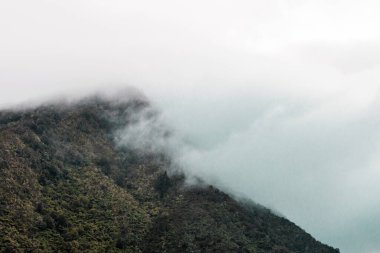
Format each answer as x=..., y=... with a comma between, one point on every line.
x=279, y=98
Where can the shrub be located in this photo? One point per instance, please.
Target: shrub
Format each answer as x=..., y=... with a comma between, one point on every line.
x=163, y=183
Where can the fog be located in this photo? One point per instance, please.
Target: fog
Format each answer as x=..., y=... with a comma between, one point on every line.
x=273, y=100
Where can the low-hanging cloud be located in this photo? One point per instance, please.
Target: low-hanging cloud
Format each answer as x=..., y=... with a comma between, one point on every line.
x=274, y=100
x=316, y=164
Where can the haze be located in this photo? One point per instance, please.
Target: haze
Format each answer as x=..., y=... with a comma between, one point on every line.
x=273, y=100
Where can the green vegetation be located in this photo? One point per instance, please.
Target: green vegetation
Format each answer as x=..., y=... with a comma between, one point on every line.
x=66, y=187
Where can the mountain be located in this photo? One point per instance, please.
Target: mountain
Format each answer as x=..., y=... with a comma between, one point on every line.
x=67, y=186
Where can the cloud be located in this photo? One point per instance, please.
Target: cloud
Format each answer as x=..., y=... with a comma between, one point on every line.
x=315, y=163
x=275, y=100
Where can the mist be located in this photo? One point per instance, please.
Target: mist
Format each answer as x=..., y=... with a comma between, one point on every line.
x=276, y=101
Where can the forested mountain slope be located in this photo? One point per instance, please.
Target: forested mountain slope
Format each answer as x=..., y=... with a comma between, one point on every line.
x=66, y=186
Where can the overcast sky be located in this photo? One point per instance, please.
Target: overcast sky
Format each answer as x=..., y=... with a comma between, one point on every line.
x=277, y=100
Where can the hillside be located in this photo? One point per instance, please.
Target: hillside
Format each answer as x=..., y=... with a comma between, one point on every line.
x=67, y=187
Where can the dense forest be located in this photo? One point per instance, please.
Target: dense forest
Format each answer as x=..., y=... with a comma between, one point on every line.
x=66, y=186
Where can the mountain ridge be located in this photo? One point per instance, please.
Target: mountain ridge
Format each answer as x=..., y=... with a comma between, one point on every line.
x=68, y=187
